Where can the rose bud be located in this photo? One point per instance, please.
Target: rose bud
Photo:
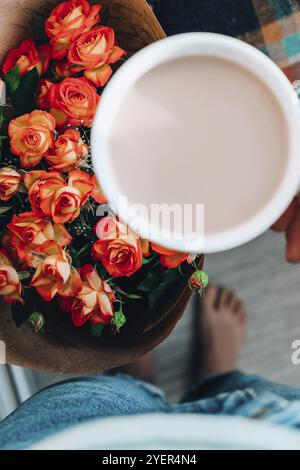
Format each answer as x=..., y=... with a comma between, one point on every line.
x=37, y=321
x=198, y=281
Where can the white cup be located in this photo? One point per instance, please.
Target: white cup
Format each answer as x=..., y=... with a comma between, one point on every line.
x=200, y=44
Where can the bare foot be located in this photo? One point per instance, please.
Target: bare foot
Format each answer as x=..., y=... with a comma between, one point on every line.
x=223, y=320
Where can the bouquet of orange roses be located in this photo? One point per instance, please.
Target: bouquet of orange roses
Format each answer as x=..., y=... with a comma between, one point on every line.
x=55, y=250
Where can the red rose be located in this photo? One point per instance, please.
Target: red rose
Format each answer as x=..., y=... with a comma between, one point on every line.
x=93, y=51
x=94, y=301
x=73, y=102
x=31, y=135
x=67, y=152
x=26, y=57
x=67, y=21
x=118, y=248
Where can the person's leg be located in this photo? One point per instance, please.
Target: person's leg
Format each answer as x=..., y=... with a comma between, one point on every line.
x=75, y=401
x=222, y=321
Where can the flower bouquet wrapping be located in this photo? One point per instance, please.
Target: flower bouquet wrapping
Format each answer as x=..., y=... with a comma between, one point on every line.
x=82, y=292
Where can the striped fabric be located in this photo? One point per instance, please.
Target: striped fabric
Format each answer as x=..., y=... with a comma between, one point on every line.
x=273, y=26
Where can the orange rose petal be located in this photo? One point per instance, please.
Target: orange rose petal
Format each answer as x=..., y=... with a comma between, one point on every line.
x=161, y=250
x=116, y=54
x=59, y=116
x=100, y=75
x=145, y=245
x=172, y=261
x=99, y=249
x=105, y=304
x=78, y=175
x=73, y=286
x=47, y=292
x=61, y=235
x=42, y=119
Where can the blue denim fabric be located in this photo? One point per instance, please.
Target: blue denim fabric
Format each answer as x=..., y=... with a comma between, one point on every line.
x=76, y=401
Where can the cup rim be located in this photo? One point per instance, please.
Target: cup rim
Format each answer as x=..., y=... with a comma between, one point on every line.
x=221, y=46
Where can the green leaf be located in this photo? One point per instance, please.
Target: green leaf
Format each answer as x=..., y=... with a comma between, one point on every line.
x=146, y=261
x=12, y=80
x=23, y=97
x=152, y=279
x=160, y=294
x=23, y=275
x=128, y=296
x=96, y=330
x=1, y=116
x=133, y=296
x=83, y=250
x=4, y=209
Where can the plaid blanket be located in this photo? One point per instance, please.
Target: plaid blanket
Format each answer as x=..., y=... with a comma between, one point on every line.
x=273, y=26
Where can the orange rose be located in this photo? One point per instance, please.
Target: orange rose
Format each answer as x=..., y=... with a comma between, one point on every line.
x=67, y=151
x=32, y=231
x=54, y=274
x=67, y=21
x=26, y=57
x=50, y=196
x=73, y=102
x=118, y=248
x=66, y=203
x=9, y=183
x=94, y=301
x=42, y=96
x=93, y=51
x=30, y=136
x=10, y=286
x=40, y=184
x=169, y=258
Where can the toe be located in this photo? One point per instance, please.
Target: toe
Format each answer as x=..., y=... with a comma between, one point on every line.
x=223, y=298
x=239, y=310
x=242, y=314
x=236, y=305
x=209, y=300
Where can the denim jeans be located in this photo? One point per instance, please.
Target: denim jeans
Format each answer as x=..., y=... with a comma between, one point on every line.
x=76, y=401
